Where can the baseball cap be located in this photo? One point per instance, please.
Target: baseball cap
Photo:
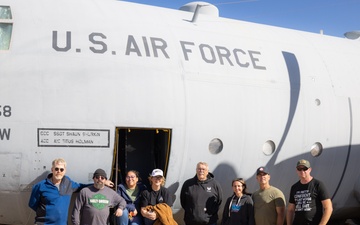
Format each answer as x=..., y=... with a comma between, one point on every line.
x=157, y=172
x=303, y=162
x=100, y=172
x=262, y=169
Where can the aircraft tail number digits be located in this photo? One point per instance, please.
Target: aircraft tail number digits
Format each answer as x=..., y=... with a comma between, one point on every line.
x=5, y=111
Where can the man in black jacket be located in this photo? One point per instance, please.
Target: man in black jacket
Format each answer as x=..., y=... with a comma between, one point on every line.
x=201, y=197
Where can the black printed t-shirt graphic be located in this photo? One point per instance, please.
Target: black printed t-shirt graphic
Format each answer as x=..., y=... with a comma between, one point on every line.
x=307, y=199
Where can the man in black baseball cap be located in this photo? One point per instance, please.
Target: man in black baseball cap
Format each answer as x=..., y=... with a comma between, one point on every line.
x=93, y=202
x=262, y=169
x=313, y=205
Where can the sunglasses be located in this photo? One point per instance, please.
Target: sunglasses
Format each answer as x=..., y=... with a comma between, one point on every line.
x=61, y=169
x=100, y=177
x=302, y=169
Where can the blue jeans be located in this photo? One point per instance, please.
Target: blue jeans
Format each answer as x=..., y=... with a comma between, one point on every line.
x=124, y=219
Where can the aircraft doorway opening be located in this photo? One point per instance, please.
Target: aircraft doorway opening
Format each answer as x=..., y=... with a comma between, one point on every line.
x=141, y=149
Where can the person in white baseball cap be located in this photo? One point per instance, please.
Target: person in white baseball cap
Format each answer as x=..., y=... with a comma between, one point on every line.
x=157, y=172
x=155, y=195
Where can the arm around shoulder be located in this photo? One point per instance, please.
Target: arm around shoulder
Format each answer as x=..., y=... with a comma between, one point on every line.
x=109, y=183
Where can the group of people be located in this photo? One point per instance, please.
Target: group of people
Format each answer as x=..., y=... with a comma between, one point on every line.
x=309, y=201
x=200, y=197
x=132, y=204
x=50, y=198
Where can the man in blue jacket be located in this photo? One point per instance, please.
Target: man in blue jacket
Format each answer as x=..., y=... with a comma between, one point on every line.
x=50, y=198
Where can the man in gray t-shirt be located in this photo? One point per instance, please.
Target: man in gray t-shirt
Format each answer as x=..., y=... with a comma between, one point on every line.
x=94, y=202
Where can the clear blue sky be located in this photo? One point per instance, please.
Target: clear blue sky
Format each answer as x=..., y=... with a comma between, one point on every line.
x=334, y=17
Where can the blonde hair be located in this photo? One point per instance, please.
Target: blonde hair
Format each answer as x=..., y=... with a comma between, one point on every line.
x=162, y=182
x=58, y=161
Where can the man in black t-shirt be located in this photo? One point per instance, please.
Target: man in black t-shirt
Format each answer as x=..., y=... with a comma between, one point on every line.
x=309, y=201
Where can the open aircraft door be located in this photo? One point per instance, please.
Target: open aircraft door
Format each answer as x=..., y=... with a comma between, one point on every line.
x=141, y=149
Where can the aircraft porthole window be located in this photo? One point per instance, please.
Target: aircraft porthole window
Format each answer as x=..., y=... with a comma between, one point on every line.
x=268, y=147
x=215, y=146
x=317, y=102
x=316, y=149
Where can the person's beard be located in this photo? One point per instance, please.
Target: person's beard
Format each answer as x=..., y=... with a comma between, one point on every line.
x=99, y=185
